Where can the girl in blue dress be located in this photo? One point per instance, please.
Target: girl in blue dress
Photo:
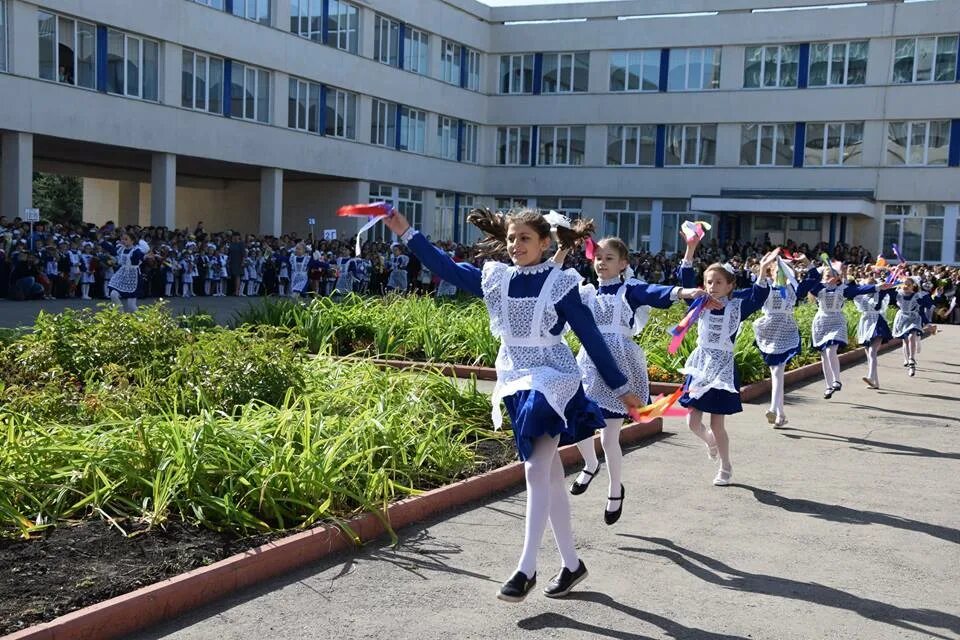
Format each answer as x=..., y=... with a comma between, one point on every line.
x=712, y=384
x=908, y=324
x=125, y=281
x=872, y=329
x=538, y=380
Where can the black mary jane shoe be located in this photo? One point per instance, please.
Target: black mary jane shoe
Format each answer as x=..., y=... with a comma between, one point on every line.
x=564, y=582
x=517, y=587
x=610, y=517
x=576, y=488
x=837, y=386
x=828, y=394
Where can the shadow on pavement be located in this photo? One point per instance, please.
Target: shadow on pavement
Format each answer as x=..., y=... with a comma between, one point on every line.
x=897, y=449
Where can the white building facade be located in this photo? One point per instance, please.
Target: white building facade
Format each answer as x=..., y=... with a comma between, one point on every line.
x=774, y=118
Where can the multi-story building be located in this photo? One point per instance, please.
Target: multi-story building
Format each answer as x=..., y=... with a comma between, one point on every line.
x=785, y=118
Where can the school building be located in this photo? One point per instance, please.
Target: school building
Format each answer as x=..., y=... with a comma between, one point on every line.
x=791, y=118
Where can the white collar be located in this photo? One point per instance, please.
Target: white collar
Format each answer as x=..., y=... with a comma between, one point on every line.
x=534, y=269
x=610, y=281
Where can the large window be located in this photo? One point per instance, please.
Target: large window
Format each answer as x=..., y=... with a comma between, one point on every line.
x=930, y=59
x=570, y=207
x=381, y=193
x=513, y=145
x=410, y=204
x=202, y=82
x=470, y=142
x=629, y=220
x=635, y=70
x=473, y=70
x=447, y=137
x=450, y=62
x=833, y=144
x=691, y=145
x=631, y=145
x=413, y=130
x=67, y=49
x=516, y=73
x=341, y=118
x=343, y=25
x=416, y=47
x=304, y=106
x=213, y=4
x=920, y=142
x=469, y=234
x=443, y=216
x=917, y=229
x=565, y=72
x=386, y=40
x=675, y=213
x=561, y=145
x=838, y=63
x=383, y=123
x=306, y=19
x=256, y=10
x=250, y=93
x=3, y=36
x=771, y=66
x=132, y=65
x=694, y=69
x=767, y=145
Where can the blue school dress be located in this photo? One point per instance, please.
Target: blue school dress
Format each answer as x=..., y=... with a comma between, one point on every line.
x=829, y=324
x=776, y=333
x=872, y=324
x=126, y=279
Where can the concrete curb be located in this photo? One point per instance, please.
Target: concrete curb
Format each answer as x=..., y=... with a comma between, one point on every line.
x=169, y=598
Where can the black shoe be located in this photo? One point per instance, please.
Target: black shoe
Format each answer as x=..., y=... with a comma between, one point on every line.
x=517, y=587
x=828, y=394
x=564, y=582
x=611, y=517
x=576, y=488
x=837, y=385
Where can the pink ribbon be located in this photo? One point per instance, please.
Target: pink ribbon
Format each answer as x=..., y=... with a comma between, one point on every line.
x=680, y=331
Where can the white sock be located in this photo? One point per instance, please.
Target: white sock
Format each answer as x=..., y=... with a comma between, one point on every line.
x=85, y=290
x=537, y=469
x=166, y=289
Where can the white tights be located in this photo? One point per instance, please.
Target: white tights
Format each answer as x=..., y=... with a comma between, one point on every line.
x=872, y=350
x=830, y=362
x=715, y=436
x=776, y=389
x=610, y=439
x=911, y=346
x=129, y=304
x=546, y=499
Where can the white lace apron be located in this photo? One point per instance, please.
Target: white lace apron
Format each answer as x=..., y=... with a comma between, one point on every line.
x=75, y=258
x=829, y=322
x=613, y=314
x=88, y=276
x=776, y=330
x=869, y=316
x=299, y=267
x=908, y=315
x=127, y=276
x=711, y=365
x=398, y=275
x=345, y=279
x=530, y=357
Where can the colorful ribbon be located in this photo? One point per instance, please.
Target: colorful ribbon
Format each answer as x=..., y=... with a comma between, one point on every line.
x=896, y=252
x=784, y=277
x=589, y=248
x=376, y=210
x=694, y=228
x=661, y=407
x=678, y=332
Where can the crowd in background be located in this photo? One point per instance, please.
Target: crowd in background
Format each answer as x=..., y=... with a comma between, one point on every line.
x=77, y=260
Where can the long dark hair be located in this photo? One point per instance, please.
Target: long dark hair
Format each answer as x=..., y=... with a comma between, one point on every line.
x=495, y=225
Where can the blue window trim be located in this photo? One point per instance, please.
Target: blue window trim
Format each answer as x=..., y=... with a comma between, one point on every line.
x=456, y=216
x=460, y=140
x=833, y=231
x=843, y=228
x=799, y=142
x=463, y=67
x=325, y=27
x=101, y=58
x=402, y=31
x=534, y=145
x=804, y=64
x=661, y=145
x=664, y=69
x=323, y=109
x=227, y=87
x=958, y=80
x=537, y=73
x=228, y=6
x=954, y=153
x=396, y=143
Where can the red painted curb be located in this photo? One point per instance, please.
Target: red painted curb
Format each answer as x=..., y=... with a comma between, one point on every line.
x=169, y=598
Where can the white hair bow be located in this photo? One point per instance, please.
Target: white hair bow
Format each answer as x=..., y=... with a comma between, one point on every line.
x=556, y=219
x=729, y=268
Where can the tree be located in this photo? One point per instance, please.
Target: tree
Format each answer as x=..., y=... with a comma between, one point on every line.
x=59, y=198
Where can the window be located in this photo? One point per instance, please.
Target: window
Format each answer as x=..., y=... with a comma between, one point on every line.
x=413, y=130
x=3, y=36
x=570, y=207
x=450, y=62
x=416, y=50
x=250, y=93
x=447, y=138
x=67, y=49
x=833, y=143
x=509, y=204
x=931, y=59
x=804, y=223
x=691, y=145
x=565, y=72
x=343, y=25
x=629, y=220
x=304, y=106
x=765, y=145
x=635, y=70
x=202, y=82
x=513, y=145
x=341, y=118
x=561, y=145
x=516, y=73
x=381, y=193
x=256, y=10
x=383, y=126
x=473, y=70
x=470, y=142
x=631, y=145
x=920, y=142
x=469, y=234
x=443, y=216
x=306, y=19
x=132, y=65
x=772, y=66
x=213, y=4
x=675, y=213
x=386, y=41
x=694, y=69
x=410, y=204
x=917, y=229
x=838, y=63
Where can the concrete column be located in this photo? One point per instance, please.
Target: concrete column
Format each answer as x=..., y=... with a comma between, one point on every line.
x=874, y=143
x=128, y=203
x=596, y=146
x=280, y=14
x=163, y=190
x=22, y=47
x=731, y=67
x=592, y=209
x=431, y=224
x=279, y=97
x=656, y=227
x=16, y=173
x=364, y=118
x=880, y=62
x=598, y=78
x=171, y=78
x=367, y=32
x=271, y=201
x=728, y=145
